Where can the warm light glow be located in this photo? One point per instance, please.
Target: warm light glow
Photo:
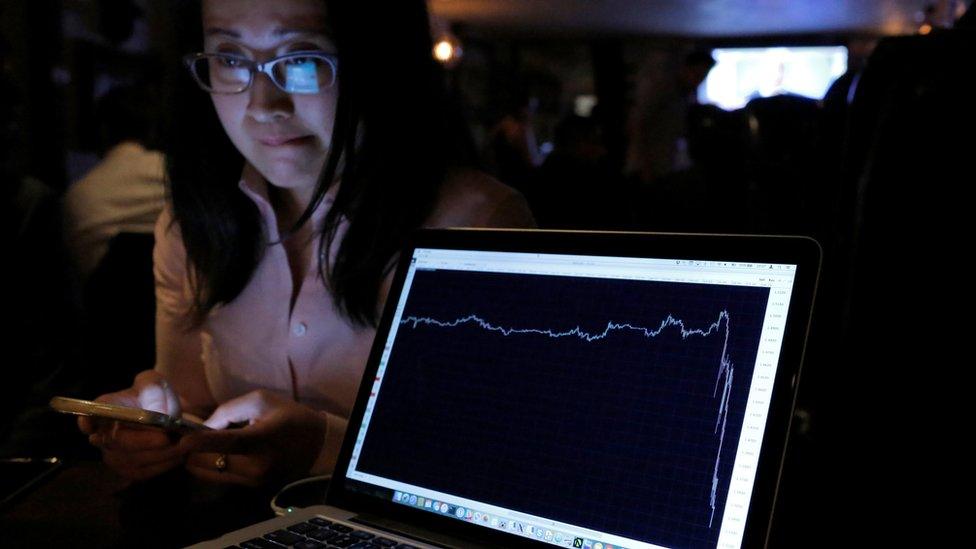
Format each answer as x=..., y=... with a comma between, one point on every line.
x=925, y=29
x=443, y=51
x=447, y=50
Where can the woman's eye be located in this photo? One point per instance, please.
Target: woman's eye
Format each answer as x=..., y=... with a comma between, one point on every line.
x=230, y=62
x=299, y=60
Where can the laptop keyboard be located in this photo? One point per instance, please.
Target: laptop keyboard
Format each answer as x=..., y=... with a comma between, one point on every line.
x=319, y=533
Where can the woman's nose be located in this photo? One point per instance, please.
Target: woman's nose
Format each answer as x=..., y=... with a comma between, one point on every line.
x=267, y=101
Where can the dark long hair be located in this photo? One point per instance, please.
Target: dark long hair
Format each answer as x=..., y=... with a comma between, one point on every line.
x=392, y=145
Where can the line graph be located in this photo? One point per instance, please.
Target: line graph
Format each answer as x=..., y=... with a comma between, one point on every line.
x=611, y=404
x=725, y=365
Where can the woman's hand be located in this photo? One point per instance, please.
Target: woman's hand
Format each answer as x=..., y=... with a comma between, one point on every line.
x=281, y=441
x=134, y=452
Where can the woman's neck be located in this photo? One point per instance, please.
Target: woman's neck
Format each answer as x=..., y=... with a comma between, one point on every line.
x=289, y=204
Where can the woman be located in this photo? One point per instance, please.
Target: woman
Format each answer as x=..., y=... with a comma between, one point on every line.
x=269, y=283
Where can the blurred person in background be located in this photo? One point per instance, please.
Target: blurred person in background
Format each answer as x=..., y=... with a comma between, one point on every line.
x=658, y=126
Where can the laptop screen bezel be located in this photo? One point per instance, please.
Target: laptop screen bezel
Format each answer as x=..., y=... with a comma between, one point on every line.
x=800, y=251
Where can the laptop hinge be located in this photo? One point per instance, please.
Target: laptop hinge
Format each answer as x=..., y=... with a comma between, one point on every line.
x=414, y=532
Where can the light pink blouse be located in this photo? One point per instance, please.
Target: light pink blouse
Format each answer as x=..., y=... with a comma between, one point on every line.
x=309, y=353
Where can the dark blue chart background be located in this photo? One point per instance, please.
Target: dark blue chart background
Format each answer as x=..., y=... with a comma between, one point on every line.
x=616, y=434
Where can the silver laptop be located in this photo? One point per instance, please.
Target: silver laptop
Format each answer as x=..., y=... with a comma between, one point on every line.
x=578, y=390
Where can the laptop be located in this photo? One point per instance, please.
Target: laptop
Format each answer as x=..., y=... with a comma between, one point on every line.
x=572, y=389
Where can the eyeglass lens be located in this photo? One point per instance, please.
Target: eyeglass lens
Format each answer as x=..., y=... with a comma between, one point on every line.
x=301, y=75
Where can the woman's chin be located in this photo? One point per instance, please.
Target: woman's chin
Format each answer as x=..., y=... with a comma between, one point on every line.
x=288, y=174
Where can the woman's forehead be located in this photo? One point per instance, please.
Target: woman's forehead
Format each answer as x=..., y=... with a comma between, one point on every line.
x=263, y=20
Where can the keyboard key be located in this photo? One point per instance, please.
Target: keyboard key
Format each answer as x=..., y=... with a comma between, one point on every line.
x=362, y=545
x=341, y=528
x=405, y=546
x=309, y=545
x=359, y=534
x=322, y=534
x=258, y=543
x=301, y=528
x=284, y=537
x=319, y=521
x=343, y=541
x=384, y=542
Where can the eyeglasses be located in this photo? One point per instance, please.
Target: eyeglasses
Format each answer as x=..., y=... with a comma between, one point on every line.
x=302, y=72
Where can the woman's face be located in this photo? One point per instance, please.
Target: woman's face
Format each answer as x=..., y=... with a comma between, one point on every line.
x=284, y=136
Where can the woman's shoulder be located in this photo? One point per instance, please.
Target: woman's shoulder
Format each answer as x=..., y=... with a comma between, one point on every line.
x=471, y=198
x=166, y=225
x=169, y=239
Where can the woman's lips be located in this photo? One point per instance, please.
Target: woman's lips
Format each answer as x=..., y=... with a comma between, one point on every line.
x=284, y=140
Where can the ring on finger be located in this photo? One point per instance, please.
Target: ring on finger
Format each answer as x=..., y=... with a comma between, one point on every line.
x=220, y=464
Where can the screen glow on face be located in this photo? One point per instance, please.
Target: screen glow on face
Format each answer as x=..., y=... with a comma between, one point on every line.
x=283, y=128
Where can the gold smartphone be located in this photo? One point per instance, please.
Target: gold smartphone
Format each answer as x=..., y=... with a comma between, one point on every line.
x=126, y=414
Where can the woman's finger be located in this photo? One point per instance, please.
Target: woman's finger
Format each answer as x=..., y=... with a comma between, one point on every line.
x=228, y=468
x=155, y=393
x=241, y=465
x=140, y=471
x=86, y=425
x=90, y=425
x=243, y=409
x=248, y=440
x=132, y=464
x=125, y=397
x=131, y=439
x=145, y=457
x=156, y=469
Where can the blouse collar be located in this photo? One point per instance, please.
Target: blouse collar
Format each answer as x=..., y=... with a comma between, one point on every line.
x=255, y=186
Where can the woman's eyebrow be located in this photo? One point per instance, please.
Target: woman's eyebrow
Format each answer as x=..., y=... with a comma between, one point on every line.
x=280, y=32
x=211, y=31
x=286, y=31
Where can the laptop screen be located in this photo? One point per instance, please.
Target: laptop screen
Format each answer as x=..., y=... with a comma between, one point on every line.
x=582, y=401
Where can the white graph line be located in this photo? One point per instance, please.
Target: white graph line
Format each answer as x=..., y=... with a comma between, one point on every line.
x=725, y=364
